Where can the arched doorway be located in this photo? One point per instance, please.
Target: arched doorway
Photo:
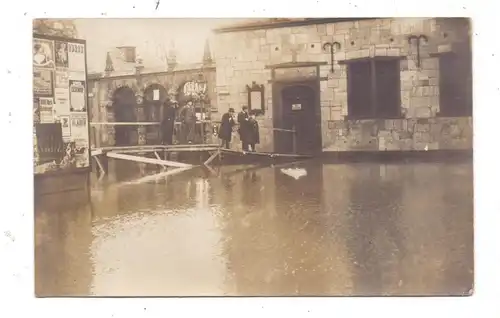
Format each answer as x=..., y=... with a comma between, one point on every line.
x=297, y=109
x=124, y=105
x=155, y=96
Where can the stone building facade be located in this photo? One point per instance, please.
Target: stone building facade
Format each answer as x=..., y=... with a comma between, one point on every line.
x=390, y=84
x=124, y=93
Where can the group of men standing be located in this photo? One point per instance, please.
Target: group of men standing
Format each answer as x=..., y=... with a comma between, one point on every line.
x=248, y=129
x=188, y=119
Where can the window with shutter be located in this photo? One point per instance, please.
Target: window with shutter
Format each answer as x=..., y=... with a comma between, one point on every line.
x=388, y=89
x=455, y=86
x=373, y=89
x=358, y=98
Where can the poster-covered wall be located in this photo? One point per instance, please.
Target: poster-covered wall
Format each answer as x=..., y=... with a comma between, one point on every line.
x=60, y=112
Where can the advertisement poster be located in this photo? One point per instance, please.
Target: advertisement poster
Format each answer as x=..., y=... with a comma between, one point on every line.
x=62, y=79
x=61, y=54
x=46, y=106
x=76, y=57
x=77, y=96
x=78, y=126
x=36, y=156
x=43, y=53
x=66, y=128
x=60, y=103
x=81, y=153
x=42, y=82
x=69, y=160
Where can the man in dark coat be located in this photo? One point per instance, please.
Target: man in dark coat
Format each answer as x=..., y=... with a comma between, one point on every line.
x=243, y=118
x=226, y=128
x=253, y=137
x=167, y=123
x=188, y=120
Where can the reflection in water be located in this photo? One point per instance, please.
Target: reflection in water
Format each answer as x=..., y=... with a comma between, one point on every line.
x=63, y=240
x=360, y=229
x=374, y=240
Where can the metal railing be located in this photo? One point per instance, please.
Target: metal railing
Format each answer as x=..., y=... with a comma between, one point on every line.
x=201, y=132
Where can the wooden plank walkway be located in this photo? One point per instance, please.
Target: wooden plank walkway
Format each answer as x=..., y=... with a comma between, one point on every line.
x=139, y=154
x=263, y=154
x=148, y=160
x=165, y=150
x=152, y=148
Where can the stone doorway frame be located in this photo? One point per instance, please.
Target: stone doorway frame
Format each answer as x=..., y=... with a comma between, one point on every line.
x=278, y=84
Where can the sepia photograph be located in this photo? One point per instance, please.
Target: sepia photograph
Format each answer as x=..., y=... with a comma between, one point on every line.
x=193, y=157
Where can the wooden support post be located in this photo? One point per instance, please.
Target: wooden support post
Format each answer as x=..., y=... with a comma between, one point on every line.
x=211, y=158
x=212, y=171
x=158, y=157
x=103, y=171
x=100, y=178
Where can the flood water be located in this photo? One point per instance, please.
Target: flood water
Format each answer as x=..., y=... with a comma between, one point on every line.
x=343, y=229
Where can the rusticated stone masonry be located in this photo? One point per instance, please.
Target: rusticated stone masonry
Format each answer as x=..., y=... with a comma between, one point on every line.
x=242, y=57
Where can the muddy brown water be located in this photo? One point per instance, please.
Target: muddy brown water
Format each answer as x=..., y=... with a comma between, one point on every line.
x=343, y=229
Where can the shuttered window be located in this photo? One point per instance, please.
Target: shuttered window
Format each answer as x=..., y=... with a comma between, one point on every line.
x=455, y=85
x=373, y=89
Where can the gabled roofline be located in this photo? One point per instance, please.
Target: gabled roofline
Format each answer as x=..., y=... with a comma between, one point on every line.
x=284, y=24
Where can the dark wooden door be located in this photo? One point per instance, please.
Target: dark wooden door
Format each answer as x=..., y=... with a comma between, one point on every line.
x=299, y=112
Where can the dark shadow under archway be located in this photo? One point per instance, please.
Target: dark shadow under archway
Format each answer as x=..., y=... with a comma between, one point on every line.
x=124, y=105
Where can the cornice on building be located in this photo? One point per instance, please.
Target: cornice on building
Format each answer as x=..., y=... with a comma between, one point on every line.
x=150, y=72
x=283, y=23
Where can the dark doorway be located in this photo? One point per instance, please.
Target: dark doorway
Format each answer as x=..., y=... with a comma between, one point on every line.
x=155, y=96
x=124, y=105
x=297, y=108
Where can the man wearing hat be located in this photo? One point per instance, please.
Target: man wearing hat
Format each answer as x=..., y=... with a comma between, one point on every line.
x=188, y=120
x=226, y=128
x=167, y=123
x=243, y=118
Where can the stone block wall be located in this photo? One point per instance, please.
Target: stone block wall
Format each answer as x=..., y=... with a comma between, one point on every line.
x=399, y=134
x=241, y=58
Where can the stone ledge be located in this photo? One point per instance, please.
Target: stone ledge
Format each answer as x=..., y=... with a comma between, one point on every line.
x=398, y=156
